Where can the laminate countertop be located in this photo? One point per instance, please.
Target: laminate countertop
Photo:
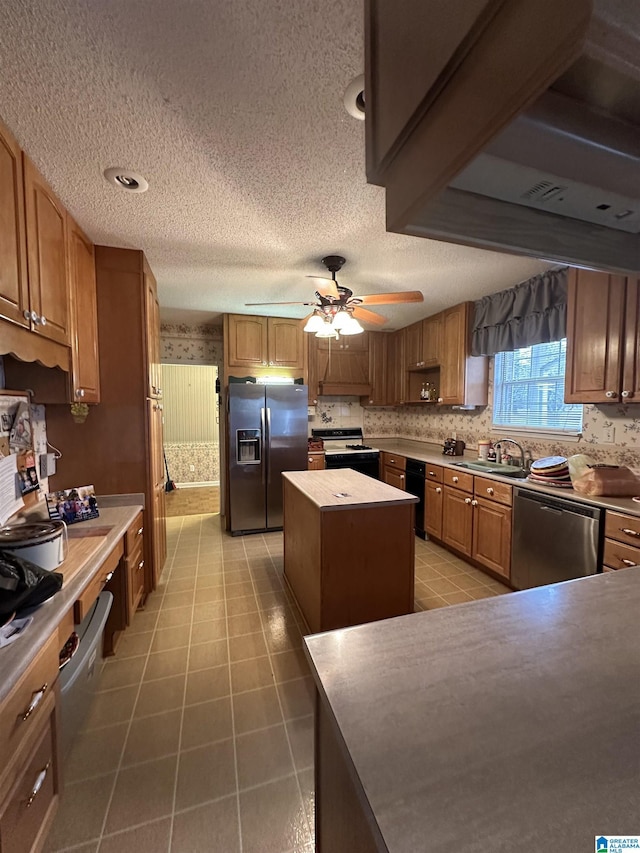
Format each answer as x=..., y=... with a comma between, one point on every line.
x=342, y=488
x=504, y=724
x=85, y=556
x=432, y=453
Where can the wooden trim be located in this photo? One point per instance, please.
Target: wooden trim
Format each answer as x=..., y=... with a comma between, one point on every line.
x=334, y=390
x=28, y=346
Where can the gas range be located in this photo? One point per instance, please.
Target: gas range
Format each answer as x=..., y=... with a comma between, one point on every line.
x=344, y=448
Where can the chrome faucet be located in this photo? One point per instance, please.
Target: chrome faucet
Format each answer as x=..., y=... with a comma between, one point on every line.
x=525, y=458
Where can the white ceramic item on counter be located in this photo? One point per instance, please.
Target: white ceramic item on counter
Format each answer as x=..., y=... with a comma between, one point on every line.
x=42, y=543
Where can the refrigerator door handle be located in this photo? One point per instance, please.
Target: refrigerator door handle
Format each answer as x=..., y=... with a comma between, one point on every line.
x=263, y=443
x=268, y=444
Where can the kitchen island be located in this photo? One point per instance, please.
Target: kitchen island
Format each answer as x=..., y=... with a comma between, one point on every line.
x=503, y=724
x=349, y=547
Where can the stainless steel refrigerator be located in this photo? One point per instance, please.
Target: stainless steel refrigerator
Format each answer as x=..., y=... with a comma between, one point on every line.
x=267, y=435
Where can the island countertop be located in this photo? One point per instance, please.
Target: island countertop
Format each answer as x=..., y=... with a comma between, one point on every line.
x=503, y=724
x=342, y=488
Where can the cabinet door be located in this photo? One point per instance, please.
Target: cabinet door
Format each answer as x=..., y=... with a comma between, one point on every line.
x=631, y=369
x=431, y=340
x=377, y=369
x=314, y=368
x=152, y=323
x=396, y=369
x=394, y=477
x=14, y=298
x=595, y=309
x=84, y=317
x=457, y=520
x=247, y=341
x=316, y=462
x=454, y=350
x=286, y=343
x=413, y=346
x=492, y=536
x=433, y=509
x=47, y=257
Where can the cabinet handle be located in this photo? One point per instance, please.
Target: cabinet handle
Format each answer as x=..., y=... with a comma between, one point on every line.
x=26, y=314
x=310, y=460
x=34, y=317
x=392, y=461
x=628, y=532
x=627, y=562
x=431, y=473
x=474, y=503
x=455, y=479
x=79, y=392
x=159, y=392
x=140, y=564
x=43, y=320
x=611, y=394
x=626, y=394
x=108, y=577
x=140, y=529
x=467, y=500
x=402, y=476
x=489, y=490
x=35, y=701
x=42, y=775
x=438, y=490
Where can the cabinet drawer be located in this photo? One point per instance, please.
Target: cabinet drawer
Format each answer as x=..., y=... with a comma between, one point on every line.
x=135, y=580
x=93, y=590
x=315, y=461
x=134, y=533
x=493, y=490
x=620, y=556
x=458, y=479
x=29, y=809
x=624, y=528
x=392, y=460
x=433, y=473
x=22, y=708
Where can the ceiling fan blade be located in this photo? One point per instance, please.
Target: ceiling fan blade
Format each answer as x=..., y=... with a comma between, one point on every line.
x=369, y=316
x=253, y=304
x=328, y=286
x=392, y=298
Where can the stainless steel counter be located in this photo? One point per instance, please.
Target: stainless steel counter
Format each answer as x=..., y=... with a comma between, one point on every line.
x=504, y=724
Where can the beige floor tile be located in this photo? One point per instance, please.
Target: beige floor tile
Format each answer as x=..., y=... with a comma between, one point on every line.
x=210, y=570
x=208, y=611
x=121, y=673
x=481, y=592
x=206, y=723
x=175, y=617
x=263, y=756
x=207, y=684
x=82, y=810
x=207, y=655
x=91, y=847
x=466, y=582
x=251, y=674
x=256, y=709
x=177, y=599
x=457, y=597
x=166, y=639
x=273, y=818
x=134, y=645
x=441, y=586
x=153, y=737
x=267, y=583
x=149, y=838
x=289, y=665
x=297, y=697
x=166, y=664
x=306, y=781
x=246, y=647
x=247, y=623
x=113, y=706
x=209, y=581
x=244, y=604
x=212, y=828
x=95, y=754
x=206, y=632
x=210, y=593
x=452, y=570
x=300, y=733
x=156, y=697
x=142, y=793
x=205, y=774
x=285, y=640
x=143, y=621
x=175, y=585
x=239, y=589
x=434, y=603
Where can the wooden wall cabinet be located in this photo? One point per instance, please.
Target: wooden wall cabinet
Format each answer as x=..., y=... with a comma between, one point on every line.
x=396, y=372
x=603, y=338
x=14, y=293
x=413, y=346
x=432, y=340
x=464, y=379
x=85, y=369
x=255, y=342
x=342, y=366
x=378, y=370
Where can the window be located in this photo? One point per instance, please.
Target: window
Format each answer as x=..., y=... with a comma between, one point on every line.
x=528, y=391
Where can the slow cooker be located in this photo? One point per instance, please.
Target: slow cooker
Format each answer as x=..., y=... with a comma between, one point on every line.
x=43, y=543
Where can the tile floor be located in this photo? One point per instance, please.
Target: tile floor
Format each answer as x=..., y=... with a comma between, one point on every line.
x=194, y=500
x=201, y=737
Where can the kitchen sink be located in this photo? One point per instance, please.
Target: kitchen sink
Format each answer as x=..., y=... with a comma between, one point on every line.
x=494, y=468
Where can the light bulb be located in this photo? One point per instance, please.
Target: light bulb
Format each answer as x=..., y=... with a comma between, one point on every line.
x=352, y=327
x=340, y=320
x=314, y=323
x=327, y=331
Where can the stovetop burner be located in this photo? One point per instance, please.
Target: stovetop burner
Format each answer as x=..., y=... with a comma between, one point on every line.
x=358, y=447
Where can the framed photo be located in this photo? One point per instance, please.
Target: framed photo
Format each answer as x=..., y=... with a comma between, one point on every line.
x=73, y=505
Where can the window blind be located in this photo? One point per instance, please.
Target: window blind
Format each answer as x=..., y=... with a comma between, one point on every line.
x=529, y=389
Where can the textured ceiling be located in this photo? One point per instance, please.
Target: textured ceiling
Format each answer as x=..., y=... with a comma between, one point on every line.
x=233, y=112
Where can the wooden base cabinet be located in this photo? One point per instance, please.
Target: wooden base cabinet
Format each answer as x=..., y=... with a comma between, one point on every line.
x=392, y=469
x=457, y=520
x=434, y=502
x=492, y=535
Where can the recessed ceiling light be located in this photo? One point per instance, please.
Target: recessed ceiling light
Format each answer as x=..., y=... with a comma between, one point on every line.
x=127, y=180
x=354, y=97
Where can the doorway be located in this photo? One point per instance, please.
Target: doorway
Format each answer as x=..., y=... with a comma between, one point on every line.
x=192, y=438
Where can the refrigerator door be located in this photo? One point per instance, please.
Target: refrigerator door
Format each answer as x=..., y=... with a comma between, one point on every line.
x=286, y=439
x=247, y=458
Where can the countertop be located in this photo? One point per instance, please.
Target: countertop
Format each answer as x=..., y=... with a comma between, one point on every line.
x=342, y=488
x=85, y=556
x=432, y=453
x=503, y=724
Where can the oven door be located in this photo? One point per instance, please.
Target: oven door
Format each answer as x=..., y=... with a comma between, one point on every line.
x=365, y=463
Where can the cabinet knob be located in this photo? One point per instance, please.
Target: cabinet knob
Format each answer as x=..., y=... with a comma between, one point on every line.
x=438, y=490
x=474, y=503
x=159, y=392
x=310, y=460
x=43, y=320
x=455, y=479
x=489, y=490
x=140, y=529
x=626, y=394
x=79, y=392
x=264, y=362
x=402, y=476
x=26, y=314
x=610, y=394
x=270, y=364
x=34, y=317
x=439, y=399
x=467, y=500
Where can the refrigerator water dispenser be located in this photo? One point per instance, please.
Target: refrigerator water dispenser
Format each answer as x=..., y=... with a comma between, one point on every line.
x=248, y=446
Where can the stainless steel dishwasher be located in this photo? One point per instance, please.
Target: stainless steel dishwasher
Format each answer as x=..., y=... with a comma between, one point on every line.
x=553, y=539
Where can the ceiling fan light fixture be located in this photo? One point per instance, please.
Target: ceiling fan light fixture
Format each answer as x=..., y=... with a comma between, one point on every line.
x=314, y=323
x=327, y=331
x=352, y=327
x=340, y=320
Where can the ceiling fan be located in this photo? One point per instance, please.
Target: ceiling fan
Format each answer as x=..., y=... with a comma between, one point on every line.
x=337, y=310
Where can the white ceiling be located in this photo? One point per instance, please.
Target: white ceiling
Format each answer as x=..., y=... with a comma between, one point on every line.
x=233, y=112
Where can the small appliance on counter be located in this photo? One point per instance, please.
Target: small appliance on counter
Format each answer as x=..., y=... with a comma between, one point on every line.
x=453, y=447
x=43, y=543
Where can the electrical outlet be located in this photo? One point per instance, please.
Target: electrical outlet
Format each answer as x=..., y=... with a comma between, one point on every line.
x=192, y=468
x=608, y=434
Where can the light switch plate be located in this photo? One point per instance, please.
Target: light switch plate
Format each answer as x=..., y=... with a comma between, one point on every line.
x=47, y=465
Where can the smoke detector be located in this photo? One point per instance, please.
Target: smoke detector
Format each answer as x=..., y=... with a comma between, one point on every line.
x=125, y=179
x=354, y=98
